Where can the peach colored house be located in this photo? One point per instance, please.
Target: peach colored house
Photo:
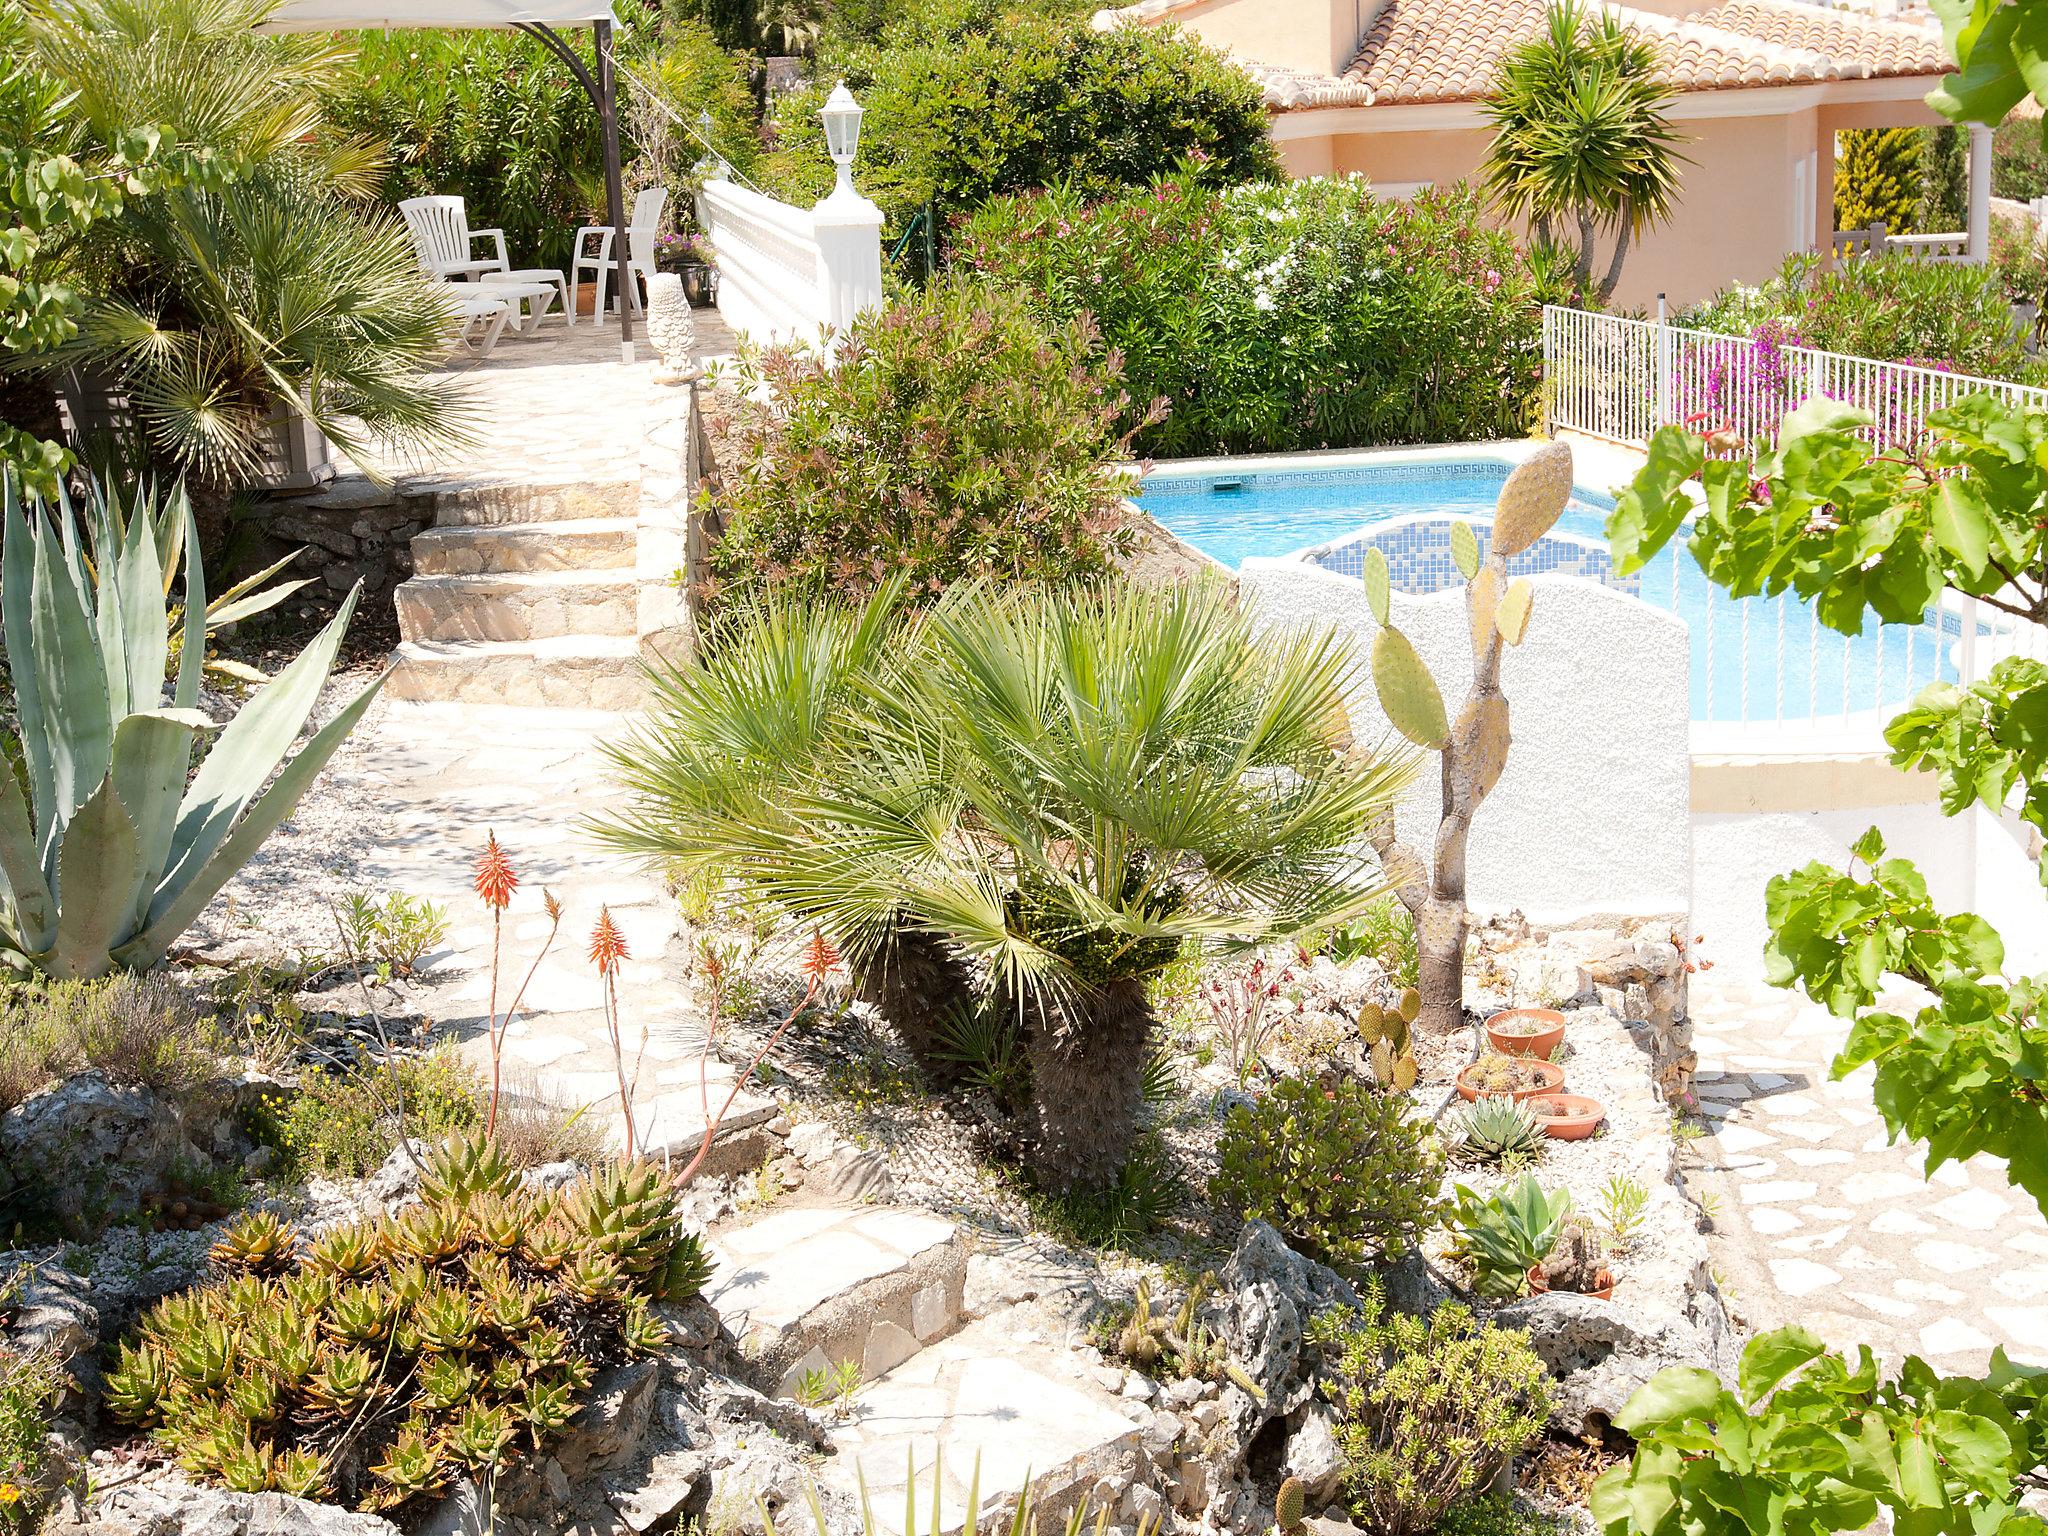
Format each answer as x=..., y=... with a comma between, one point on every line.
x=1394, y=89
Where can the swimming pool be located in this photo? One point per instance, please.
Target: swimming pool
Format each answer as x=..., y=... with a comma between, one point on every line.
x=1755, y=659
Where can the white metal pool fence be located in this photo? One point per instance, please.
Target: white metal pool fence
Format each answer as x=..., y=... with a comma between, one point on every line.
x=1621, y=379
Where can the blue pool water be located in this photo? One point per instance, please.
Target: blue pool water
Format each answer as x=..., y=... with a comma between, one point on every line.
x=1757, y=659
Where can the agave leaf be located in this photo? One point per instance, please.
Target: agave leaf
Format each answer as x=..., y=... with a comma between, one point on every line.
x=1378, y=583
x=248, y=752
x=177, y=905
x=1407, y=692
x=111, y=617
x=23, y=868
x=78, y=727
x=229, y=609
x=17, y=585
x=1513, y=613
x=192, y=655
x=152, y=751
x=145, y=636
x=169, y=528
x=1465, y=549
x=100, y=864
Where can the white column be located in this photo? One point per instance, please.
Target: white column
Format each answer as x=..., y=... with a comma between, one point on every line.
x=1980, y=194
x=848, y=229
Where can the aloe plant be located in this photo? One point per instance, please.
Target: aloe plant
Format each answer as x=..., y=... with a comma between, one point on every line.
x=112, y=853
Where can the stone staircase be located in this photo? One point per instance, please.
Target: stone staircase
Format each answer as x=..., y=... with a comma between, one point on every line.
x=953, y=1373
x=524, y=593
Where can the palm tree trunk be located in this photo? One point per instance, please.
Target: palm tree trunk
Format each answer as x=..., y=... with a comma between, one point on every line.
x=1583, y=272
x=1607, y=283
x=914, y=983
x=1540, y=228
x=1088, y=1056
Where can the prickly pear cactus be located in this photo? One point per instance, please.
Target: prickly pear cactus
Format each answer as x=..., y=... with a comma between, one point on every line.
x=1533, y=499
x=1511, y=614
x=1288, y=1507
x=1407, y=692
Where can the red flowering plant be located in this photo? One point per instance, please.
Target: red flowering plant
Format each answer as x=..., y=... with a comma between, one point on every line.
x=953, y=435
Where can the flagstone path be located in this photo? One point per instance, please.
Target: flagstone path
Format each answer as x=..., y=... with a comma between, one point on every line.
x=1819, y=1221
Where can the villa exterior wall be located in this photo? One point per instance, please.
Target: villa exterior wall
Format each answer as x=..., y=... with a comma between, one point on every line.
x=1592, y=814
x=1744, y=201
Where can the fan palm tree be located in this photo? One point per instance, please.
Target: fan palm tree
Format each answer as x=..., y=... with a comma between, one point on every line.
x=1580, y=136
x=1033, y=794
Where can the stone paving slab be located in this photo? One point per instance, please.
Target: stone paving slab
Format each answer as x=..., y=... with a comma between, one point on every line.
x=1820, y=1221
x=993, y=1391
x=812, y=1286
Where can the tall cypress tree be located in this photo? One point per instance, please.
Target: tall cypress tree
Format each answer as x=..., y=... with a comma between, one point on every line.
x=1877, y=178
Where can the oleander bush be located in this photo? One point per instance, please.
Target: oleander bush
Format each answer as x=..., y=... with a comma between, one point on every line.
x=1892, y=307
x=373, y=1365
x=954, y=435
x=1347, y=1174
x=1276, y=317
x=2019, y=159
x=967, y=101
x=1428, y=1411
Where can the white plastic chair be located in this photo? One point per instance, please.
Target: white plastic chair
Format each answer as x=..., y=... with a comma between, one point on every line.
x=640, y=233
x=441, y=236
x=440, y=232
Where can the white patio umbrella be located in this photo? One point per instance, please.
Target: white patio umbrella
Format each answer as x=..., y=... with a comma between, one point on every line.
x=539, y=19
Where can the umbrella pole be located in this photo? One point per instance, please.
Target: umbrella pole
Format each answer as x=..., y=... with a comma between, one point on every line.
x=608, y=110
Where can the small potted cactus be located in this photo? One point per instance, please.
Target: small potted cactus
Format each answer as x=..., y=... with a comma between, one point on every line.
x=1519, y=1077
x=1567, y=1116
x=1526, y=1031
x=1575, y=1264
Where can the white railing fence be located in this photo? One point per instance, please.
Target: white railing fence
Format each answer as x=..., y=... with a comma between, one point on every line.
x=1768, y=662
x=1875, y=240
x=786, y=273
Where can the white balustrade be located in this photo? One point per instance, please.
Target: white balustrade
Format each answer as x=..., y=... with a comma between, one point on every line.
x=788, y=274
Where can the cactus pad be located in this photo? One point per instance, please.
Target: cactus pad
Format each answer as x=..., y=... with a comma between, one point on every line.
x=1512, y=612
x=1465, y=549
x=1407, y=692
x=1410, y=1006
x=1483, y=736
x=1372, y=1024
x=1533, y=499
x=1378, y=584
x=1287, y=1507
x=1482, y=602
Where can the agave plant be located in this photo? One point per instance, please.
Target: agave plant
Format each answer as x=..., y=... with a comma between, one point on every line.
x=1051, y=789
x=112, y=854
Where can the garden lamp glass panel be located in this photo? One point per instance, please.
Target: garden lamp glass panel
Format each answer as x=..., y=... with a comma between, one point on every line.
x=841, y=115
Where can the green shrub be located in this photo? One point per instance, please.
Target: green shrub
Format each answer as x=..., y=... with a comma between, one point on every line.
x=1878, y=174
x=30, y=1384
x=1346, y=1174
x=2020, y=259
x=954, y=435
x=344, y=1123
x=2019, y=160
x=1427, y=1413
x=1945, y=179
x=393, y=931
x=1384, y=932
x=137, y=1031
x=1272, y=318
x=382, y=1360
x=1893, y=308
x=963, y=106
x=1496, y=1515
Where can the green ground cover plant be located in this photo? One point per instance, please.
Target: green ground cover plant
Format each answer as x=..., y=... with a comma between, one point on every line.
x=31, y=1382
x=1345, y=1173
x=344, y=1122
x=956, y=434
x=1276, y=317
x=378, y=1362
x=136, y=1031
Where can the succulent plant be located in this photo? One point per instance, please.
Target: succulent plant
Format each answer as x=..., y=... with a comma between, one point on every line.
x=464, y=1170
x=479, y=1436
x=256, y=1243
x=346, y=1253
x=1288, y=1506
x=1500, y=1130
x=136, y=1385
x=1576, y=1262
x=413, y=1465
x=117, y=845
x=1474, y=744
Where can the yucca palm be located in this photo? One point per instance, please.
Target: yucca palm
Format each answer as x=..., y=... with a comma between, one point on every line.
x=1580, y=136
x=1033, y=793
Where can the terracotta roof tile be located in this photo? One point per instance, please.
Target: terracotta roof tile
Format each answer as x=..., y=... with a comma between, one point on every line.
x=1446, y=50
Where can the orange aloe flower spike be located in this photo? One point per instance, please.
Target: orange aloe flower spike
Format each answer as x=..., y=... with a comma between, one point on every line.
x=495, y=879
x=607, y=944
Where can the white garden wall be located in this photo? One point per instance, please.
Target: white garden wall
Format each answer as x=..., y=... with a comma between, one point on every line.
x=1593, y=812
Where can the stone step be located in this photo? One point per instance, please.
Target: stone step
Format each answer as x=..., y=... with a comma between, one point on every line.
x=518, y=605
x=999, y=1391
x=471, y=505
x=815, y=1286
x=576, y=672
x=573, y=544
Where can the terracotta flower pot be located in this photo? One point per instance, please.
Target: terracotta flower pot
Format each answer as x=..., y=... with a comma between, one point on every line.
x=1567, y=1116
x=1550, y=1078
x=1525, y=1031
x=1604, y=1291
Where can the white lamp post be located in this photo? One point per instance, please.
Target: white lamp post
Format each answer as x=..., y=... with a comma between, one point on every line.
x=848, y=227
